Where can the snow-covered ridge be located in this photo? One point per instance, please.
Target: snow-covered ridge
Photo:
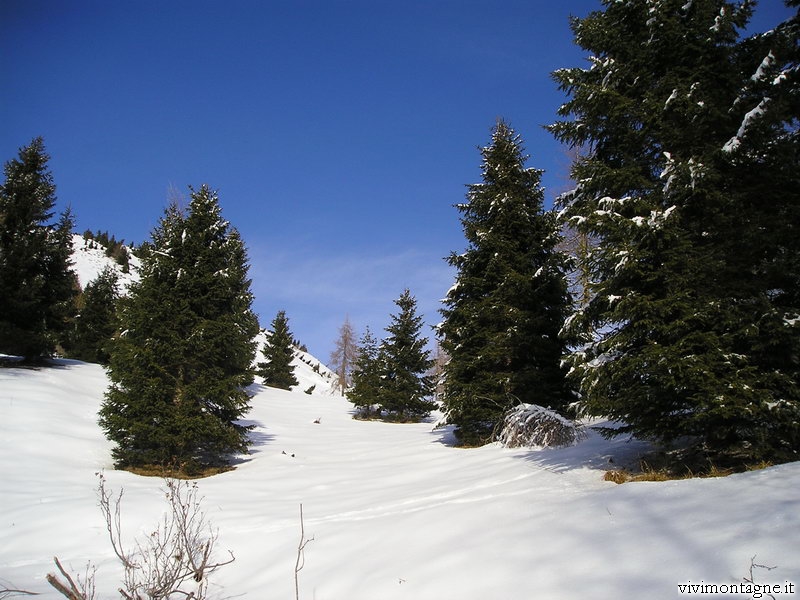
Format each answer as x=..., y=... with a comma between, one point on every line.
x=312, y=375
x=89, y=260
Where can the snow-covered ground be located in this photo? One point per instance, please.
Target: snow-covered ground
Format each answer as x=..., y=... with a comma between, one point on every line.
x=394, y=510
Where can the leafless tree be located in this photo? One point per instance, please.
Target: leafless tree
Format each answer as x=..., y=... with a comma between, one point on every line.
x=344, y=356
x=440, y=359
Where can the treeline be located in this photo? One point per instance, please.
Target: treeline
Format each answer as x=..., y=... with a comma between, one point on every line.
x=664, y=292
x=672, y=307
x=115, y=249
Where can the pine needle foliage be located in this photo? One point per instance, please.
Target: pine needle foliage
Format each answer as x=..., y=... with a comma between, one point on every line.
x=404, y=365
x=182, y=361
x=366, y=375
x=37, y=285
x=96, y=322
x=503, y=315
x=277, y=369
x=690, y=183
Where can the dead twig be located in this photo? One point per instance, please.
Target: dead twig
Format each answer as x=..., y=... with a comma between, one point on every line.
x=301, y=557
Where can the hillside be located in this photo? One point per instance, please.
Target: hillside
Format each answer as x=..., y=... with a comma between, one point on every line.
x=90, y=259
x=394, y=510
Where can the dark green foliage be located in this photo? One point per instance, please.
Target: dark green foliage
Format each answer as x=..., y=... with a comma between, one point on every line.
x=182, y=361
x=96, y=321
x=37, y=286
x=278, y=370
x=365, y=388
x=690, y=185
x=503, y=315
x=405, y=386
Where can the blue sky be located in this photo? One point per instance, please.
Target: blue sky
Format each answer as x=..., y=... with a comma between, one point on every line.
x=338, y=133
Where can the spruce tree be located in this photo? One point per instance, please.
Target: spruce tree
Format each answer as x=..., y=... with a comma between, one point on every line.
x=690, y=187
x=406, y=386
x=96, y=321
x=180, y=366
x=37, y=286
x=365, y=389
x=277, y=368
x=503, y=315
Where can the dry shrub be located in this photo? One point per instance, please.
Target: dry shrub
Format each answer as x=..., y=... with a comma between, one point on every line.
x=531, y=425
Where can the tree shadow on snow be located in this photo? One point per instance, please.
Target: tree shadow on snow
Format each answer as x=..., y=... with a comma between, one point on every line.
x=593, y=452
x=258, y=439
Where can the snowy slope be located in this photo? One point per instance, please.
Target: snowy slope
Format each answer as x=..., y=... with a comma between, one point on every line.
x=395, y=512
x=89, y=260
x=310, y=373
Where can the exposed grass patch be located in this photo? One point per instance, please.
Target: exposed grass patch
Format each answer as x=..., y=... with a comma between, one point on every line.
x=176, y=472
x=671, y=471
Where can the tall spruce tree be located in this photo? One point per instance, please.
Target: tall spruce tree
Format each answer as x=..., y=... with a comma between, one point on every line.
x=181, y=364
x=277, y=368
x=503, y=315
x=404, y=363
x=365, y=389
x=96, y=321
x=690, y=186
x=37, y=285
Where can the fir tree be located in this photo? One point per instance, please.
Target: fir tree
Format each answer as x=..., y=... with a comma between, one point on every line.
x=366, y=385
x=37, y=286
x=96, y=322
x=690, y=188
x=278, y=370
x=503, y=315
x=181, y=364
x=404, y=364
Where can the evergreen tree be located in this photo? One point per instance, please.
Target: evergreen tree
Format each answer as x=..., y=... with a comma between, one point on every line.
x=96, y=322
x=366, y=385
x=181, y=364
x=37, y=286
x=404, y=364
x=344, y=356
x=278, y=370
x=691, y=189
x=503, y=315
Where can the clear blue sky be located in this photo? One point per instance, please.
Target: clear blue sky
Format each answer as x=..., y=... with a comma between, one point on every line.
x=338, y=133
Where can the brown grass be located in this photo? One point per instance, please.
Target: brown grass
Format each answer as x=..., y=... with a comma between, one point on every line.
x=176, y=473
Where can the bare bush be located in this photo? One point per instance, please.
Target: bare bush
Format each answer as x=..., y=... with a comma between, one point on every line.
x=531, y=425
x=174, y=561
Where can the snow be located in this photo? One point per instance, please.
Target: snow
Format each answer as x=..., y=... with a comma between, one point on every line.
x=733, y=143
x=395, y=512
x=89, y=262
x=763, y=68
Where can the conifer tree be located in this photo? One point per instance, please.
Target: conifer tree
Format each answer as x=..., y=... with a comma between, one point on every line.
x=277, y=368
x=503, y=315
x=181, y=364
x=96, y=321
x=690, y=188
x=37, y=286
x=406, y=385
x=366, y=385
